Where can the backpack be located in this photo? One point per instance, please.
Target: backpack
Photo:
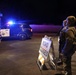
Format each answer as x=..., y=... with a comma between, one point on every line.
x=74, y=41
x=70, y=48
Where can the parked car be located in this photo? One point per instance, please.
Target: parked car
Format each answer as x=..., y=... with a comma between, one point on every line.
x=26, y=31
x=20, y=31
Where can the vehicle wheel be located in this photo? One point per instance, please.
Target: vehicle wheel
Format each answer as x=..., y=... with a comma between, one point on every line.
x=23, y=37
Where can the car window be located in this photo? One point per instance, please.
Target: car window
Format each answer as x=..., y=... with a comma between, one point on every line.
x=26, y=26
x=15, y=26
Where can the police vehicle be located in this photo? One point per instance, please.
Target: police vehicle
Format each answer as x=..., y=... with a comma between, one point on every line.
x=17, y=30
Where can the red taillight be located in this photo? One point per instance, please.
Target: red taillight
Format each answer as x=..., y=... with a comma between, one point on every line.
x=30, y=30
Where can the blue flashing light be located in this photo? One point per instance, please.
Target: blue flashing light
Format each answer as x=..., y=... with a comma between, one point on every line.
x=10, y=22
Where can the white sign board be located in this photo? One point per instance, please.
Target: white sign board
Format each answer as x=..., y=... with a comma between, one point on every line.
x=5, y=32
x=46, y=51
x=45, y=47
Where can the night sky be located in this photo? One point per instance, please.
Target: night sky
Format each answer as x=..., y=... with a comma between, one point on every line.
x=38, y=11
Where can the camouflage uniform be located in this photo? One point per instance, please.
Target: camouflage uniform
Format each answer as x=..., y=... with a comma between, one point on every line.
x=62, y=41
x=68, y=47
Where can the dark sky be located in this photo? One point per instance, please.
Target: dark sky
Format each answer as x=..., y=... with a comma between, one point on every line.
x=40, y=11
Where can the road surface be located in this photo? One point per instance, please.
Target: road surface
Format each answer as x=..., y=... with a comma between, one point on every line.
x=19, y=57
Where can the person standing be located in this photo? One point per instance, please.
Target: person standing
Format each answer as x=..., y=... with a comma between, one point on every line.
x=61, y=35
x=69, y=43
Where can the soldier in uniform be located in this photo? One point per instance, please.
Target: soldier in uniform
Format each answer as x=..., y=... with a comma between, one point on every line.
x=61, y=41
x=67, y=43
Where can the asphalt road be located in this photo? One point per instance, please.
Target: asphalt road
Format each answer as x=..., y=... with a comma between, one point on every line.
x=19, y=57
